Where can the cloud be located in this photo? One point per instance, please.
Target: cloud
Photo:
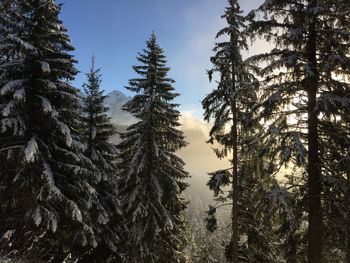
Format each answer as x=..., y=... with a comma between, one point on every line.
x=198, y=155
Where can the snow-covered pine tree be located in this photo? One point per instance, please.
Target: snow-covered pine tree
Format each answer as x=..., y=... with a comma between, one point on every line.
x=334, y=106
x=46, y=196
x=98, y=130
x=152, y=175
x=302, y=76
x=229, y=107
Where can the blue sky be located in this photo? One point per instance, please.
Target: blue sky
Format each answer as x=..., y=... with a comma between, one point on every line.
x=115, y=30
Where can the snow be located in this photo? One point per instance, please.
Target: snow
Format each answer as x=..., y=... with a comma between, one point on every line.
x=8, y=234
x=8, y=108
x=142, y=164
x=59, y=60
x=102, y=219
x=53, y=223
x=37, y=217
x=281, y=197
x=301, y=151
x=24, y=44
x=48, y=175
x=15, y=124
x=76, y=214
x=65, y=131
x=169, y=224
x=10, y=86
x=159, y=190
x=91, y=190
x=93, y=132
x=5, y=260
x=83, y=240
x=94, y=155
x=218, y=179
x=156, y=149
x=19, y=94
x=46, y=105
x=49, y=84
x=140, y=211
x=79, y=145
x=31, y=150
x=69, y=256
x=45, y=67
x=132, y=196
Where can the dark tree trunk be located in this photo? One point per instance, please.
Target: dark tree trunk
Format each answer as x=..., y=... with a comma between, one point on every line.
x=234, y=238
x=314, y=173
x=348, y=219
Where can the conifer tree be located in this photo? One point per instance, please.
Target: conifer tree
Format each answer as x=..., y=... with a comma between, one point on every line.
x=98, y=130
x=229, y=107
x=47, y=195
x=300, y=82
x=152, y=175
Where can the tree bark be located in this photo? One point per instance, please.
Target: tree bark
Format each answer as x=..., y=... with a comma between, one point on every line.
x=347, y=260
x=314, y=173
x=235, y=234
x=234, y=239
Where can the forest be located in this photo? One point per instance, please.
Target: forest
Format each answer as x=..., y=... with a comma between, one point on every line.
x=91, y=177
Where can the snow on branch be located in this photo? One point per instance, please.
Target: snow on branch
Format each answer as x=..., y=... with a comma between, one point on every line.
x=46, y=104
x=11, y=86
x=31, y=150
x=8, y=109
x=20, y=94
x=23, y=44
x=217, y=180
x=212, y=223
x=66, y=132
x=48, y=176
x=45, y=67
x=281, y=197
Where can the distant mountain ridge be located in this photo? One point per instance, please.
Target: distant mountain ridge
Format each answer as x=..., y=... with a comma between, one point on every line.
x=115, y=101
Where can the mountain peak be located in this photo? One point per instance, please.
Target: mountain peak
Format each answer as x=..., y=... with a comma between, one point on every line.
x=115, y=101
x=117, y=94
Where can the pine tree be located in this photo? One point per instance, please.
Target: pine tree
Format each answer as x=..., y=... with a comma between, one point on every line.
x=229, y=107
x=152, y=175
x=98, y=131
x=46, y=195
x=299, y=83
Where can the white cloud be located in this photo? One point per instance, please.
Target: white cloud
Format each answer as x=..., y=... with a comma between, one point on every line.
x=198, y=155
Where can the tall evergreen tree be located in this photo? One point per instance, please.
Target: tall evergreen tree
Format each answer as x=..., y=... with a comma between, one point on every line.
x=152, y=175
x=300, y=81
x=47, y=195
x=98, y=130
x=229, y=107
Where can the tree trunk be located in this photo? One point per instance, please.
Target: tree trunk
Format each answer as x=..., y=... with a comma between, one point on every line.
x=234, y=239
x=314, y=173
x=235, y=234
x=348, y=219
